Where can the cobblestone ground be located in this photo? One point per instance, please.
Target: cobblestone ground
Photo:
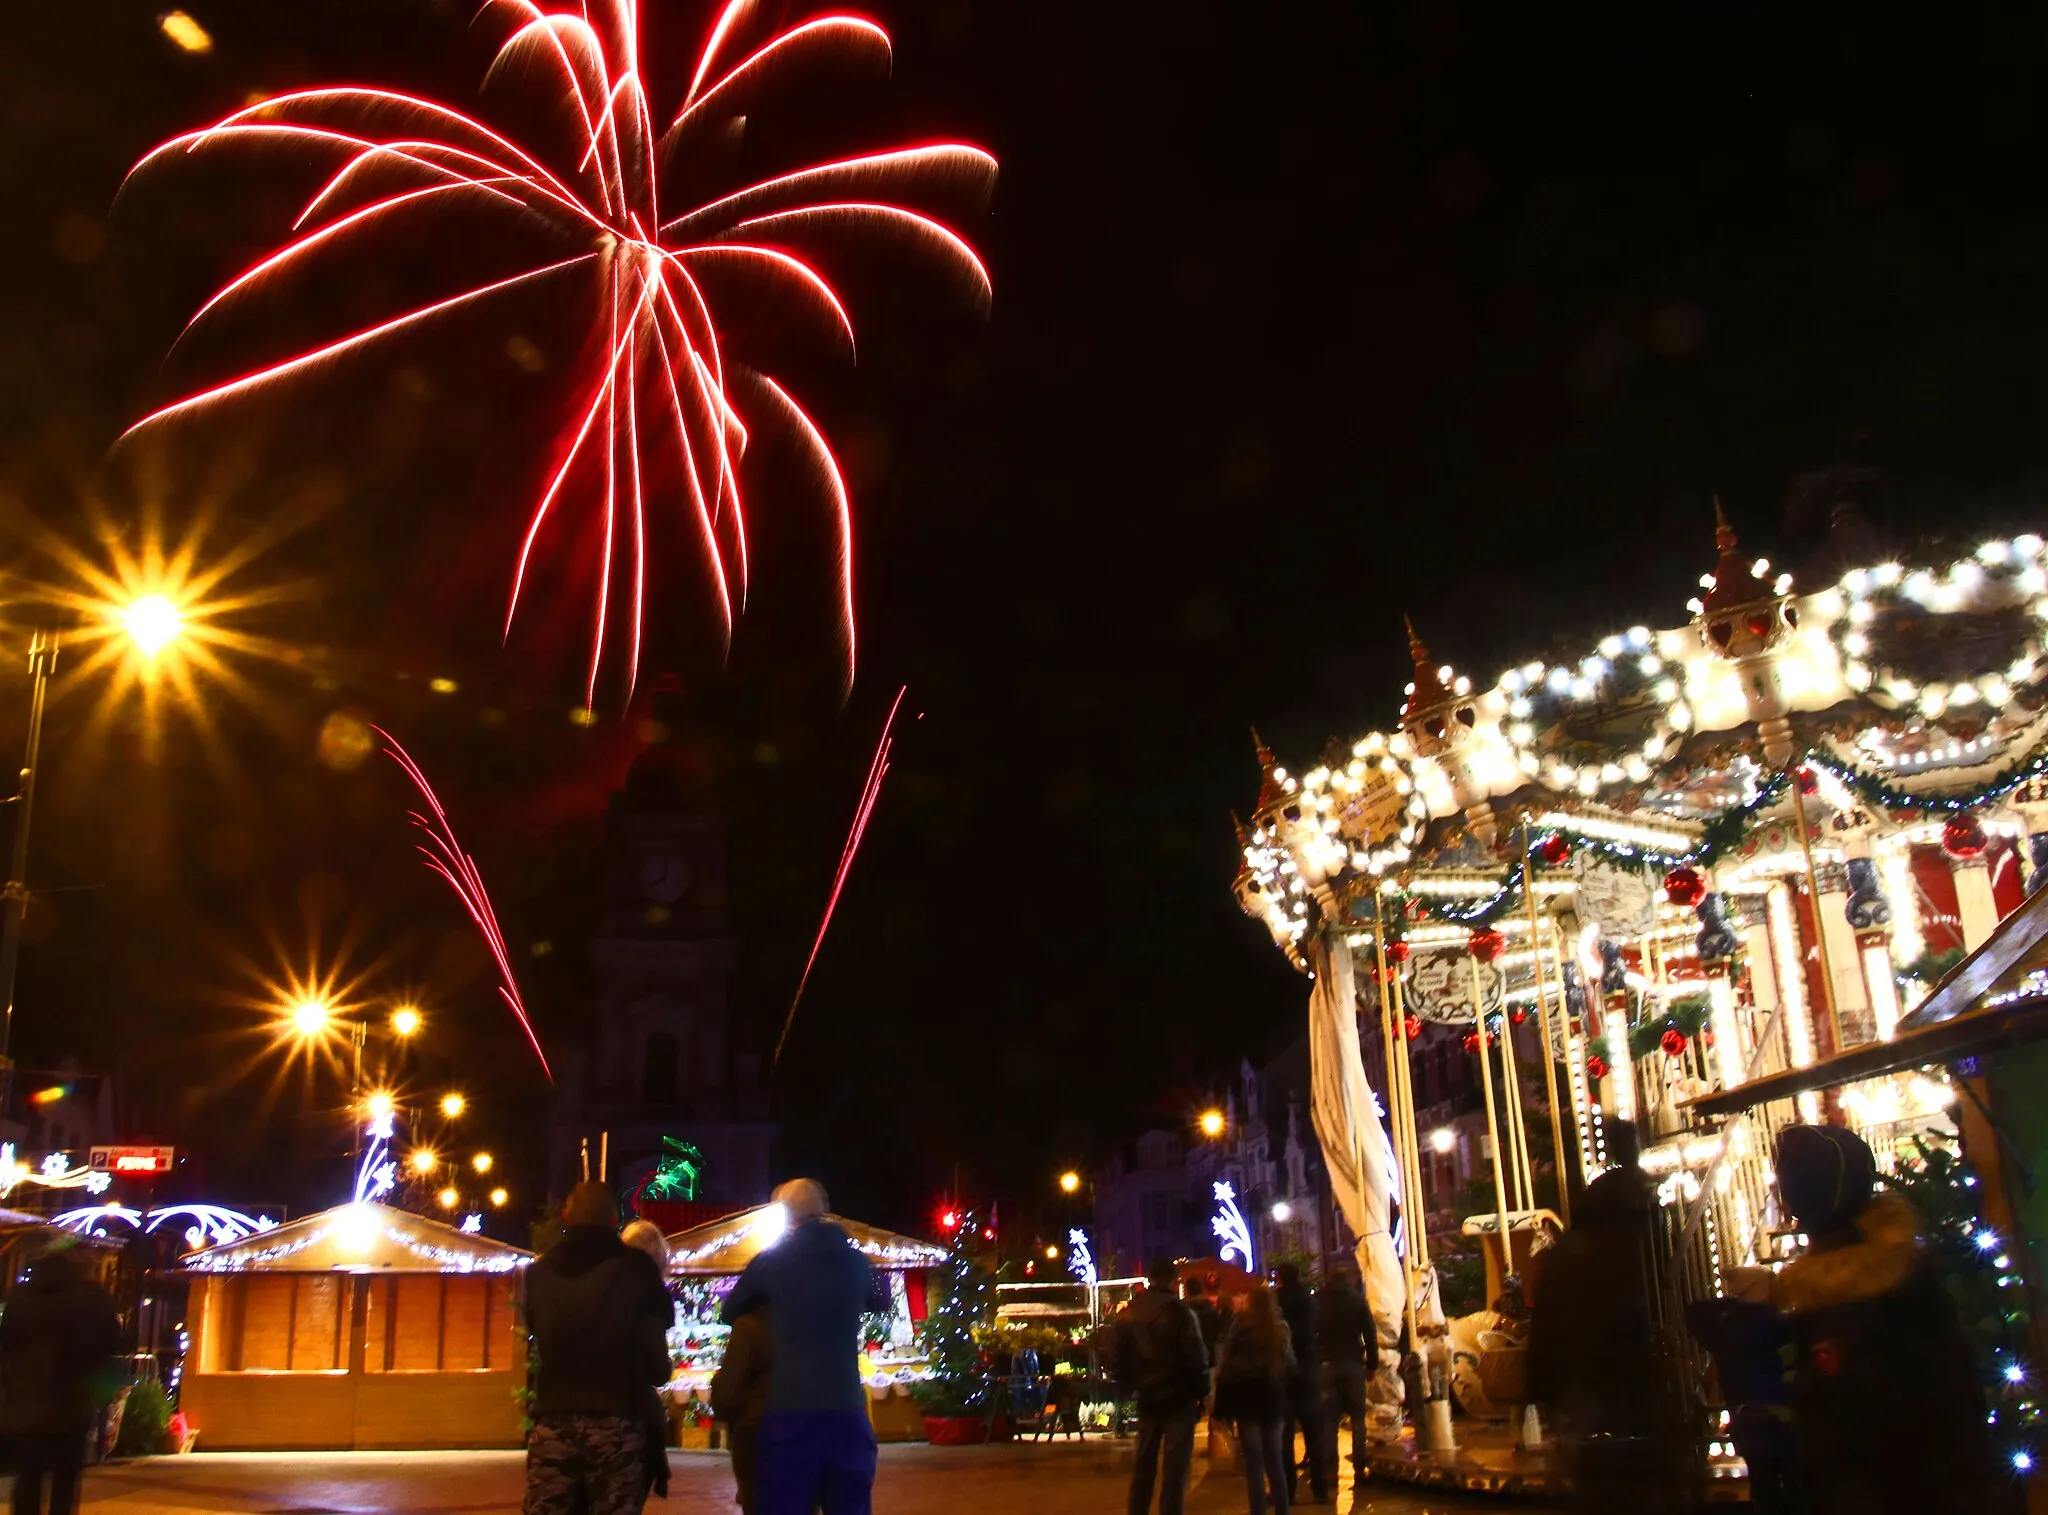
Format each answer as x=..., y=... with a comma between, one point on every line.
x=1053, y=1479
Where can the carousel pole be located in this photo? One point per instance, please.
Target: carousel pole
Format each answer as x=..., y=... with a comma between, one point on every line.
x=1564, y=1201
x=1379, y=946
x=1412, y=1172
x=1500, y=1180
x=1511, y=1101
x=1820, y=936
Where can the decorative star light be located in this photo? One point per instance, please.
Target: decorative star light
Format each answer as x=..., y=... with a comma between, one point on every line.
x=472, y=1225
x=54, y=1165
x=1229, y=1226
x=1080, y=1259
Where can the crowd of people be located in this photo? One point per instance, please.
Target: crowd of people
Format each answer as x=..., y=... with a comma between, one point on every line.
x=1849, y=1381
x=788, y=1389
x=1287, y=1365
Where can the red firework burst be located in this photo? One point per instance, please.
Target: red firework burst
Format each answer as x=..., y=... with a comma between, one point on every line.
x=658, y=419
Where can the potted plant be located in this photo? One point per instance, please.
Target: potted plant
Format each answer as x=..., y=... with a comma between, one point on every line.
x=958, y=1398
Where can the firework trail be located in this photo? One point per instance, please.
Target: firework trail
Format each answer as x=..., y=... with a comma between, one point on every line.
x=655, y=431
x=445, y=856
x=877, y=770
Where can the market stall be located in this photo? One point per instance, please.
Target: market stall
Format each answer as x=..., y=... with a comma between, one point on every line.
x=360, y=1327
x=706, y=1261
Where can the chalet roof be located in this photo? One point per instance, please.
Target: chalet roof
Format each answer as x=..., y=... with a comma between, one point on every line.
x=361, y=1238
x=727, y=1246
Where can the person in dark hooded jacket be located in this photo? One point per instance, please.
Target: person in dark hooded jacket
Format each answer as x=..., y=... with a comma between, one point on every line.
x=599, y=1316
x=1162, y=1365
x=1887, y=1406
x=58, y=1339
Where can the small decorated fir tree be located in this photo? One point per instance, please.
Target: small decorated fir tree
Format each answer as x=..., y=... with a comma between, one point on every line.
x=960, y=1382
x=1983, y=1278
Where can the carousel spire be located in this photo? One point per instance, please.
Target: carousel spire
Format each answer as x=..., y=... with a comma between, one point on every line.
x=1747, y=620
x=1271, y=790
x=1430, y=688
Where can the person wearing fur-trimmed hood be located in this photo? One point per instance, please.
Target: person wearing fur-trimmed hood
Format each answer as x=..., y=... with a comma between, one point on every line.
x=1887, y=1404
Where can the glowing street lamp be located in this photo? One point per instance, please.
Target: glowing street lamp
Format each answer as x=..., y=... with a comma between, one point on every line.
x=1070, y=1182
x=498, y=1198
x=1211, y=1123
x=424, y=1160
x=449, y=1197
x=405, y=1021
x=310, y=1017
x=152, y=623
x=453, y=1105
x=481, y=1162
x=379, y=1105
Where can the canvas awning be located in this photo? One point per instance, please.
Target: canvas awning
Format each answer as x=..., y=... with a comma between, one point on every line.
x=361, y=1238
x=1995, y=998
x=728, y=1245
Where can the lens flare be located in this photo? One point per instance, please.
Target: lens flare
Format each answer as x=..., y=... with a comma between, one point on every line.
x=658, y=421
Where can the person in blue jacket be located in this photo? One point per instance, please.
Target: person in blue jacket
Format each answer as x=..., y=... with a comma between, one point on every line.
x=816, y=1447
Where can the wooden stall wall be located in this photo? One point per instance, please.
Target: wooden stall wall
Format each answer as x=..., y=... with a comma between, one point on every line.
x=332, y=1360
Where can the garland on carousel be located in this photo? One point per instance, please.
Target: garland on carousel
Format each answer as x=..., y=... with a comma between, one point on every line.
x=1554, y=844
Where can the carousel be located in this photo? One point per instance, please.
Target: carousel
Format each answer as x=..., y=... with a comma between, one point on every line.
x=1687, y=860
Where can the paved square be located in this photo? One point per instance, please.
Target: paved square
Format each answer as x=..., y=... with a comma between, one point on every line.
x=1060, y=1478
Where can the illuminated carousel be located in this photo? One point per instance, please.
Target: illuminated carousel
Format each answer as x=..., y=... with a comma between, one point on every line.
x=1691, y=858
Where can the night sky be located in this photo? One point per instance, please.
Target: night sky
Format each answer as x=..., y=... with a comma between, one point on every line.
x=1300, y=323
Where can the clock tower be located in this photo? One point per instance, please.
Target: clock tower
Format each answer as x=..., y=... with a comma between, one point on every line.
x=655, y=1055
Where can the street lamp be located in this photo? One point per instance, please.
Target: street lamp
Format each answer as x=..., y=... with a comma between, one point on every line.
x=152, y=623
x=380, y=1105
x=449, y=1197
x=405, y=1021
x=453, y=1105
x=498, y=1198
x=1070, y=1182
x=481, y=1162
x=1212, y=1123
x=309, y=1017
x=423, y=1160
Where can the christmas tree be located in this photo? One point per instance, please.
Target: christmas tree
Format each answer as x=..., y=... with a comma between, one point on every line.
x=1983, y=1279
x=966, y=1297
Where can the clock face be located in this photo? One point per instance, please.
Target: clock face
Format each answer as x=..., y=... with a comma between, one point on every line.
x=664, y=877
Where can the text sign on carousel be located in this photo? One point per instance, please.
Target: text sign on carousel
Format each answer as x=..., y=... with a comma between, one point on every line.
x=133, y=1162
x=1620, y=898
x=1374, y=813
x=1440, y=985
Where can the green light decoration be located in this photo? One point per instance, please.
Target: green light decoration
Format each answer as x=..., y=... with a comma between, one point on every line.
x=676, y=1176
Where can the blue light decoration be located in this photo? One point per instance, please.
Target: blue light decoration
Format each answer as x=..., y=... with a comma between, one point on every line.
x=1229, y=1226
x=212, y=1223
x=378, y=1173
x=472, y=1224
x=1080, y=1258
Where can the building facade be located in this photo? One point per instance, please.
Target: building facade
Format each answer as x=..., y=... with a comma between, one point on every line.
x=654, y=1052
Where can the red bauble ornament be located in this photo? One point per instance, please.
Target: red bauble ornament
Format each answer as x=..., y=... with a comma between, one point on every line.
x=1804, y=777
x=1963, y=836
x=1397, y=952
x=1684, y=887
x=1596, y=1066
x=1521, y=1013
x=1486, y=944
x=1672, y=1041
x=1412, y=1025
x=1554, y=849
x=1471, y=1041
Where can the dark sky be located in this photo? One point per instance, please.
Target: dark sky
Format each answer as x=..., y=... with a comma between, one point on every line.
x=1300, y=323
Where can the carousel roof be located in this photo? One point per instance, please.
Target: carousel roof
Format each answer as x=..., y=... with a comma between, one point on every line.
x=1899, y=691
x=364, y=1237
x=728, y=1245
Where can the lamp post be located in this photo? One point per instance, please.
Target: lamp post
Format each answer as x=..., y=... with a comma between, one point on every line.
x=42, y=659
x=151, y=624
